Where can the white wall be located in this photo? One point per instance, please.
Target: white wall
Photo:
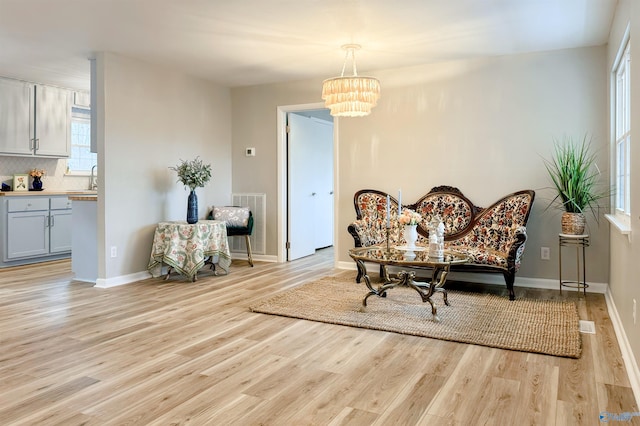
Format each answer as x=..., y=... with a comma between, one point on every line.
x=482, y=125
x=254, y=111
x=625, y=268
x=151, y=118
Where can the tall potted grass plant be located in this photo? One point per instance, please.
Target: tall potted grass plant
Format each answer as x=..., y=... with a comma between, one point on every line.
x=575, y=176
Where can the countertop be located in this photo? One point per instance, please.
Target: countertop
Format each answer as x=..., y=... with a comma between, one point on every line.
x=74, y=193
x=83, y=197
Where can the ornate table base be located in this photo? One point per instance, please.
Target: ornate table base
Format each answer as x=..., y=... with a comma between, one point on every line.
x=425, y=290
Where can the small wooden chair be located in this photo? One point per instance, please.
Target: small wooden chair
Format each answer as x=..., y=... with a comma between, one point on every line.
x=239, y=221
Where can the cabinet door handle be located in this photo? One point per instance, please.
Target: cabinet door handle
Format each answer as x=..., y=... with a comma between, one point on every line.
x=32, y=144
x=47, y=222
x=52, y=220
x=37, y=144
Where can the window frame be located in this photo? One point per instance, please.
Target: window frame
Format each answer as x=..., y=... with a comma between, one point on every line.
x=620, y=148
x=83, y=115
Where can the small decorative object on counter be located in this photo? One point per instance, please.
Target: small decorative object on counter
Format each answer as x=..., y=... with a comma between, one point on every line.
x=20, y=182
x=37, y=175
x=193, y=174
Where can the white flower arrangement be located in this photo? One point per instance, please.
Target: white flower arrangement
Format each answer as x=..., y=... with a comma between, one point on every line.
x=193, y=173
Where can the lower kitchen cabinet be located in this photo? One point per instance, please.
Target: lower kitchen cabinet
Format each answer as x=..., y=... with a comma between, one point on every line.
x=27, y=234
x=60, y=225
x=35, y=229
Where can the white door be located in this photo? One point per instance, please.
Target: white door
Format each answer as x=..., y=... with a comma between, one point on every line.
x=323, y=164
x=310, y=184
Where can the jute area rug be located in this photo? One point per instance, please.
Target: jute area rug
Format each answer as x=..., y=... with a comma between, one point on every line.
x=541, y=326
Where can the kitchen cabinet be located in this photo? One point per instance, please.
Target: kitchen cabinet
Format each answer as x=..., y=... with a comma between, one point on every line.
x=60, y=225
x=37, y=228
x=52, y=127
x=16, y=117
x=35, y=120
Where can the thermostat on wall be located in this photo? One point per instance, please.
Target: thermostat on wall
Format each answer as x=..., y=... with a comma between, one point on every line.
x=250, y=152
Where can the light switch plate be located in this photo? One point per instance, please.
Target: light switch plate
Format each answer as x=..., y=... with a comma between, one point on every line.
x=250, y=152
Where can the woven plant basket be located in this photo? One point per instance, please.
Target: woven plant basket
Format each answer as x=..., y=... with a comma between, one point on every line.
x=573, y=223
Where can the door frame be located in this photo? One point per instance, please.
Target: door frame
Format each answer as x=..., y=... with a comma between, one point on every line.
x=282, y=176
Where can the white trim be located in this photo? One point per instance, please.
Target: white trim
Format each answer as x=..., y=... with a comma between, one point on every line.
x=618, y=224
x=242, y=255
x=121, y=280
x=145, y=275
x=623, y=45
x=498, y=279
x=630, y=363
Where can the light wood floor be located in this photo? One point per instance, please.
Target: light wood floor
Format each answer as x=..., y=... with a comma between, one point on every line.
x=176, y=352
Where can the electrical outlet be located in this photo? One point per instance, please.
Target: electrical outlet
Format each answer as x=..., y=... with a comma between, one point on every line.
x=114, y=251
x=544, y=253
x=634, y=311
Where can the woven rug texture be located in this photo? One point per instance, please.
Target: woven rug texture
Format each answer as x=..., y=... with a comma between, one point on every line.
x=541, y=326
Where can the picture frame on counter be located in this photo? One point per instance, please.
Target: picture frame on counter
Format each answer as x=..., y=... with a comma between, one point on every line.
x=21, y=182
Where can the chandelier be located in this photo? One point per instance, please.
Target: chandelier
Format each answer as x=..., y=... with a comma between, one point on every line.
x=352, y=96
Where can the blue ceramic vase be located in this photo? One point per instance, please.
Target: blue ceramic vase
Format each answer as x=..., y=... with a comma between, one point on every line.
x=37, y=183
x=192, y=207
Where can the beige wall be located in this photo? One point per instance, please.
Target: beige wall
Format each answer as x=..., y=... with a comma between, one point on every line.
x=254, y=112
x=482, y=125
x=625, y=253
x=152, y=118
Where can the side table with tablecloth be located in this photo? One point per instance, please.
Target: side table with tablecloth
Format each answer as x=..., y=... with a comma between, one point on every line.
x=185, y=247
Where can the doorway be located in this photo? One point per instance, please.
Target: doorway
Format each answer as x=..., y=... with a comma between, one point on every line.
x=306, y=181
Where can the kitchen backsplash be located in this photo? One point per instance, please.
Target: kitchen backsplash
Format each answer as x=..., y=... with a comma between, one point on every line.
x=54, y=179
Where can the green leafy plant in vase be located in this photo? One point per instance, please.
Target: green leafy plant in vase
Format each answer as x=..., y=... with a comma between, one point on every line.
x=575, y=176
x=193, y=174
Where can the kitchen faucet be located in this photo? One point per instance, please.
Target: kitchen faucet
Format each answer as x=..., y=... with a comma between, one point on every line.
x=93, y=181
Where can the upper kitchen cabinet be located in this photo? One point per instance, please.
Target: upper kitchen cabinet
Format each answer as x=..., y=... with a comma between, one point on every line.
x=35, y=119
x=16, y=117
x=53, y=121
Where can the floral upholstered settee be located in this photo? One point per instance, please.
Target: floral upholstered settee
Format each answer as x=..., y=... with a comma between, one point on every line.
x=493, y=238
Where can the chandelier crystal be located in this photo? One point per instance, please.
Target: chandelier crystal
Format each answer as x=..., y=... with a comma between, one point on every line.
x=351, y=96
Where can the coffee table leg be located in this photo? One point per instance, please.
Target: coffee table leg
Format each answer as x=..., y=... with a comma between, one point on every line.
x=426, y=290
x=381, y=291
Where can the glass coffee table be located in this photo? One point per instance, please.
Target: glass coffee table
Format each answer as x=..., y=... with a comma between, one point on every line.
x=417, y=259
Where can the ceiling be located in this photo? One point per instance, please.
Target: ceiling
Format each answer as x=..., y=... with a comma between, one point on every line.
x=248, y=42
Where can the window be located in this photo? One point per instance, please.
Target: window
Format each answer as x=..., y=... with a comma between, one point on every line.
x=622, y=142
x=81, y=159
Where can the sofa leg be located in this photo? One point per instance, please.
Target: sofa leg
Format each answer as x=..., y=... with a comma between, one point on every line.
x=509, y=278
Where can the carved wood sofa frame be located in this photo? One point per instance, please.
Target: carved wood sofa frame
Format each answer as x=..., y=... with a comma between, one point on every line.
x=494, y=237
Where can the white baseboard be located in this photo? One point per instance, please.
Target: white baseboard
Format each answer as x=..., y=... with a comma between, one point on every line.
x=498, y=279
x=143, y=275
x=627, y=353
x=121, y=280
x=242, y=255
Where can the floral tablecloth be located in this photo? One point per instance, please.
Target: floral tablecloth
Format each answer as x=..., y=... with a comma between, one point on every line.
x=185, y=247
